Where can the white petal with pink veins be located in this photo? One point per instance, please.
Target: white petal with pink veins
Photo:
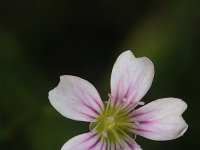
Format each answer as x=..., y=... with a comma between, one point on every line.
x=76, y=98
x=161, y=119
x=125, y=144
x=130, y=144
x=131, y=77
x=86, y=141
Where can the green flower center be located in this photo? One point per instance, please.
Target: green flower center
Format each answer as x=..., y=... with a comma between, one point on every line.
x=113, y=124
x=108, y=123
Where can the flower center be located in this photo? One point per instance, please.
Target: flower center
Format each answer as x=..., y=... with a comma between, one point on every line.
x=114, y=123
x=108, y=123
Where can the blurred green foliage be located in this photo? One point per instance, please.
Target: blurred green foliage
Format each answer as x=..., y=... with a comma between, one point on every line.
x=41, y=40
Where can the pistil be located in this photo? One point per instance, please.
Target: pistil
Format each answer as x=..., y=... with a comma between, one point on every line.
x=114, y=122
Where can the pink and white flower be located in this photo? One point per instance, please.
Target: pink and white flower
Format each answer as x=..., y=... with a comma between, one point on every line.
x=112, y=122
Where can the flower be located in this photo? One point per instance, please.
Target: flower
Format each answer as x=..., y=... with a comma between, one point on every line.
x=113, y=122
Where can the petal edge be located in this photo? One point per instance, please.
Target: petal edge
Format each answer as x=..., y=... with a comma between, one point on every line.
x=76, y=98
x=131, y=77
x=161, y=119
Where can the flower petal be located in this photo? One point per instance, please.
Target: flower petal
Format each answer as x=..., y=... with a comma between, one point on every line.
x=131, y=77
x=130, y=144
x=161, y=119
x=76, y=98
x=86, y=141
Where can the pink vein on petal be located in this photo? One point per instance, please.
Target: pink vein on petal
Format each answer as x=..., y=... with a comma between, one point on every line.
x=91, y=136
x=89, y=116
x=140, y=113
x=95, y=99
x=92, y=109
x=93, y=145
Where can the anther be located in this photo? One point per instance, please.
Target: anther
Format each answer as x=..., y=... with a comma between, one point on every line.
x=141, y=103
x=110, y=118
x=135, y=136
x=110, y=96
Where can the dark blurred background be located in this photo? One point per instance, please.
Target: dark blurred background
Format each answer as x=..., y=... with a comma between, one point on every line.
x=41, y=40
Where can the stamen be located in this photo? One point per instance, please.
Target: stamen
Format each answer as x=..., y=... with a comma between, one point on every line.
x=111, y=126
x=121, y=105
x=124, y=99
x=135, y=136
x=117, y=137
x=125, y=112
x=124, y=134
x=114, y=123
x=93, y=126
x=125, y=124
x=108, y=102
x=110, y=118
x=105, y=134
x=131, y=107
x=137, y=123
x=110, y=96
x=141, y=103
x=108, y=143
